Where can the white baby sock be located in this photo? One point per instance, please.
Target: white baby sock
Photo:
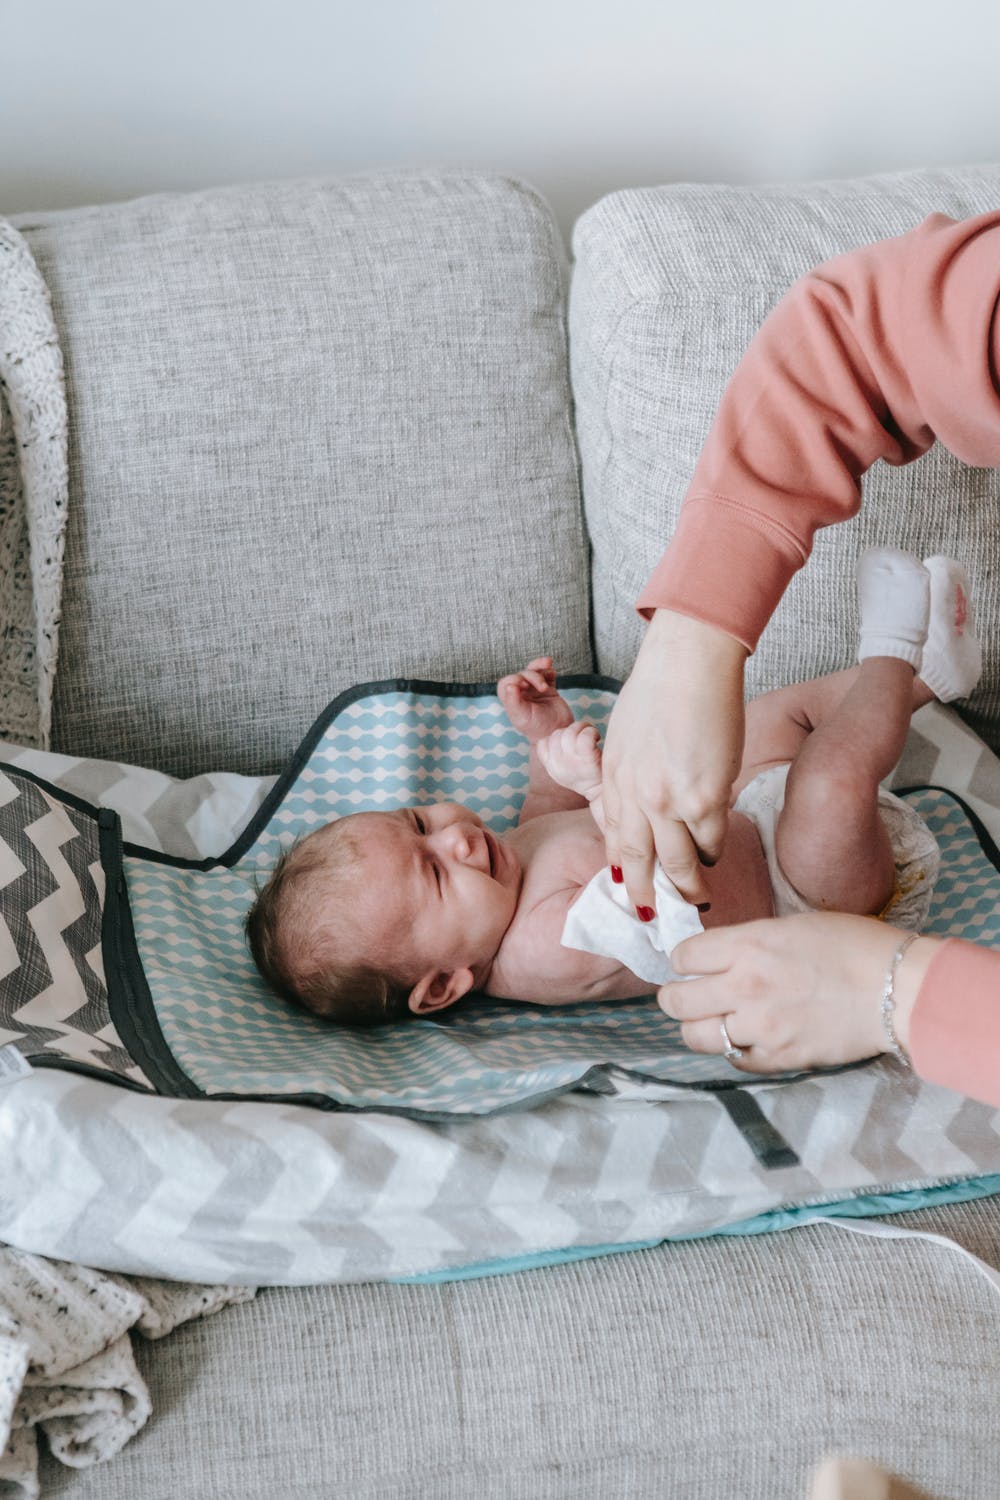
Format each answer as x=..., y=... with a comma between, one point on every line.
x=953, y=660
x=894, y=600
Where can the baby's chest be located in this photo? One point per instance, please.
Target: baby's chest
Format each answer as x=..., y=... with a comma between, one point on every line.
x=533, y=958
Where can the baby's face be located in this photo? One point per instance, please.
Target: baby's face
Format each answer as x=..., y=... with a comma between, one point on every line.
x=436, y=889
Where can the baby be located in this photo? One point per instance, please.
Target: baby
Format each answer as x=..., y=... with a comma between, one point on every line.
x=382, y=915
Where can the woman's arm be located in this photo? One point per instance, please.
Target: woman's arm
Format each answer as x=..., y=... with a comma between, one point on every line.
x=872, y=355
x=951, y=1026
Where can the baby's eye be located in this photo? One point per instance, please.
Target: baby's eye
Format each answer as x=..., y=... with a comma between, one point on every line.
x=421, y=824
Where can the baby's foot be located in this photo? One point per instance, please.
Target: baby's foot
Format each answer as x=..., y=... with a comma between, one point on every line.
x=953, y=661
x=894, y=601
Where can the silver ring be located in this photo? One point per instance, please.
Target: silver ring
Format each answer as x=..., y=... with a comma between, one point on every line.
x=732, y=1052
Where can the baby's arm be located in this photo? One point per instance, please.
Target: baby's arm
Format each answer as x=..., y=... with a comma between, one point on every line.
x=535, y=708
x=572, y=757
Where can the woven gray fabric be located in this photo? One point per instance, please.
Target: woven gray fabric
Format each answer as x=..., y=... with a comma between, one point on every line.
x=319, y=434
x=670, y=285
x=730, y=1367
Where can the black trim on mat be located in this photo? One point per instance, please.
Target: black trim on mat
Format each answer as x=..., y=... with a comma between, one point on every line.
x=129, y=997
x=292, y=771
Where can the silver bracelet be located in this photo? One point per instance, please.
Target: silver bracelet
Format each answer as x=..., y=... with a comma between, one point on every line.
x=889, y=999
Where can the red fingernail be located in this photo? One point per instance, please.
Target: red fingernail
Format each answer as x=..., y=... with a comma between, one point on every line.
x=645, y=913
x=616, y=874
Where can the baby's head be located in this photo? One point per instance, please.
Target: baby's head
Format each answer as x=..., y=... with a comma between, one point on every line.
x=383, y=915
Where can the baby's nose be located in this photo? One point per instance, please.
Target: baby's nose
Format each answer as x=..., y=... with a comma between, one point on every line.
x=465, y=841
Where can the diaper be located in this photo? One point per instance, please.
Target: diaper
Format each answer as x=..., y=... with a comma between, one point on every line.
x=915, y=848
x=603, y=921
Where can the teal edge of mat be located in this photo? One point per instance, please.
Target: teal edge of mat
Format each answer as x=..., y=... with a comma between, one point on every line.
x=778, y=1218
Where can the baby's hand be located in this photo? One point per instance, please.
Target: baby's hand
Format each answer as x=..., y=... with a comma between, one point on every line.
x=572, y=757
x=531, y=701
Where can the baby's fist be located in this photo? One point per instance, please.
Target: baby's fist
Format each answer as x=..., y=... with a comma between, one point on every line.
x=532, y=702
x=572, y=757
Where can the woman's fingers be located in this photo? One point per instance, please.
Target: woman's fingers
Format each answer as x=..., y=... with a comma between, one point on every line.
x=706, y=1036
x=693, y=1001
x=633, y=838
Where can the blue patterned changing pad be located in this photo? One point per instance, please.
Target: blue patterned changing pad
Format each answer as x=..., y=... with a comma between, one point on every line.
x=384, y=746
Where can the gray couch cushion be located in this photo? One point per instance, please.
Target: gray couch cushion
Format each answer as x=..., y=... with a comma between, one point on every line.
x=699, y=1371
x=669, y=287
x=320, y=434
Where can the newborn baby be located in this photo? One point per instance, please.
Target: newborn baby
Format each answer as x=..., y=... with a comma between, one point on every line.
x=381, y=915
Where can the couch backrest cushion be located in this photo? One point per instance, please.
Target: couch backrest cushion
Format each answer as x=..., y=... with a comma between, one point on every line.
x=669, y=287
x=320, y=435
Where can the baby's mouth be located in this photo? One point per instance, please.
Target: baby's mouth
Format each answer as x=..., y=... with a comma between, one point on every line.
x=496, y=853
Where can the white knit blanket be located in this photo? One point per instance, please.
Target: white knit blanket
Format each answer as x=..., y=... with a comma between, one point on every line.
x=33, y=493
x=66, y=1359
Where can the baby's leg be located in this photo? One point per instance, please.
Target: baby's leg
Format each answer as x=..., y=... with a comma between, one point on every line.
x=894, y=597
x=778, y=723
x=851, y=727
x=830, y=839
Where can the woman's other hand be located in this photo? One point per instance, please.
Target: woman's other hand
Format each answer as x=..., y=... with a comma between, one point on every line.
x=794, y=992
x=672, y=752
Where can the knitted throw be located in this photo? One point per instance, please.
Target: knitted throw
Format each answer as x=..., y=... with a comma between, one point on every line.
x=33, y=494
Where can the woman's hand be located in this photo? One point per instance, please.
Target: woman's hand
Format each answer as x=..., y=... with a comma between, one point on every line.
x=794, y=992
x=671, y=754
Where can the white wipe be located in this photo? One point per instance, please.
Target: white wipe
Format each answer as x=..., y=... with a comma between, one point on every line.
x=602, y=920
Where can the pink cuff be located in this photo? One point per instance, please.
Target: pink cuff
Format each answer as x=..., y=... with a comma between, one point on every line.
x=725, y=567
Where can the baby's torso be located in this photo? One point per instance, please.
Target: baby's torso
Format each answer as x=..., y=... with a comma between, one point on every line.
x=560, y=854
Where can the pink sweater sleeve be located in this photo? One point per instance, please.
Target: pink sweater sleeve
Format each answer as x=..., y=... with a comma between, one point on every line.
x=955, y=1027
x=872, y=355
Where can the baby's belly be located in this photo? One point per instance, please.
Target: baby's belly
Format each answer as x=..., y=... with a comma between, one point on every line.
x=739, y=885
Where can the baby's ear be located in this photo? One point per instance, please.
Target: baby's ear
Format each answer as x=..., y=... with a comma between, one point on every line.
x=438, y=989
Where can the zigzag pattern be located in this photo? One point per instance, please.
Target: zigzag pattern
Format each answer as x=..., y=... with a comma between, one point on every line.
x=54, y=998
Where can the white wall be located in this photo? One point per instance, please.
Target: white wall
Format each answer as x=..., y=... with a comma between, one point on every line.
x=103, y=99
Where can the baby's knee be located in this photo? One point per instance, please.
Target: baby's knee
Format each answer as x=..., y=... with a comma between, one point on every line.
x=825, y=793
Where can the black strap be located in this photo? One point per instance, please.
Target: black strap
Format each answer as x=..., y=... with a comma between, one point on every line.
x=767, y=1144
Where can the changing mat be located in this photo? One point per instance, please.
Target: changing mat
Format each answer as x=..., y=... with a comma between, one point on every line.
x=165, y=997
x=240, y=1191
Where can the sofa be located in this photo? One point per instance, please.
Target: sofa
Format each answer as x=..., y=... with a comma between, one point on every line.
x=378, y=427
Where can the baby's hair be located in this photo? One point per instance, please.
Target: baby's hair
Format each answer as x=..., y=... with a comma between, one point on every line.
x=296, y=951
